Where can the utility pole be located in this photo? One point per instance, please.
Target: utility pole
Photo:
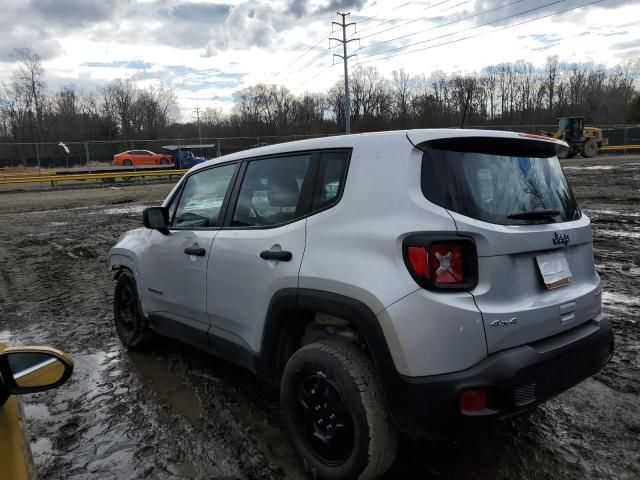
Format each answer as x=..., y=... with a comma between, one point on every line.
x=345, y=58
x=197, y=110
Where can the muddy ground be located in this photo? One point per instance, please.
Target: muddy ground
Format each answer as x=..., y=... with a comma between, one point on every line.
x=173, y=412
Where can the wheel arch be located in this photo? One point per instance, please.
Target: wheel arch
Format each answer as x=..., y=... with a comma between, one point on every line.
x=281, y=317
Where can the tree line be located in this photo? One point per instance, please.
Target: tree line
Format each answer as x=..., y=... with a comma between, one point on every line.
x=120, y=109
x=517, y=93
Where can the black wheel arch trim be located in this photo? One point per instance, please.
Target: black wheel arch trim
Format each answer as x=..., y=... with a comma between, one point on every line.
x=354, y=311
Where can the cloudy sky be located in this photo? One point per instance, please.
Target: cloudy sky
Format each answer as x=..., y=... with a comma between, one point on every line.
x=205, y=50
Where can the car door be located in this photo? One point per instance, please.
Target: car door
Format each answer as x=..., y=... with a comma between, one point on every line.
x=146, y=157
x=174, y=265
x=260, y=249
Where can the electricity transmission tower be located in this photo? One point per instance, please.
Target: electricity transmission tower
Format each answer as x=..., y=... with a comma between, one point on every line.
x=345, y=58
x=197, y=110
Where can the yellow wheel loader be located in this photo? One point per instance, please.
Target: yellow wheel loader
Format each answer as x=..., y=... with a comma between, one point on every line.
x=582, y=140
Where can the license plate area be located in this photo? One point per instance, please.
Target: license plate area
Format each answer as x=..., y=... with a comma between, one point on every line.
x=554, y=269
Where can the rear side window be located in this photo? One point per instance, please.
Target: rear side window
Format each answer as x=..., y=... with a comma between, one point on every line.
x=496, y=179
x=270, y=191
x=330, y=182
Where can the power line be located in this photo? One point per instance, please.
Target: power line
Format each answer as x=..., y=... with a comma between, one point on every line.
x=482, y=33
x=321, y=54
x=318, y=74
x=444, y=24
x=324, y=37
x=400, y=25
x=378, y=14
x=467, y=29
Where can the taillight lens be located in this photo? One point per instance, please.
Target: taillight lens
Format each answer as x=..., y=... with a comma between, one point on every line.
x=419, y=260
x=441, y=262
x=445, y=264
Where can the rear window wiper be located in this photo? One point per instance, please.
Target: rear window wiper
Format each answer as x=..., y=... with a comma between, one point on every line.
x=535, y=215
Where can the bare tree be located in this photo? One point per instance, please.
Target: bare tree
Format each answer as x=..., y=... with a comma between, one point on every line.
x=28, y=81
x=401, y=89
x=552, y=73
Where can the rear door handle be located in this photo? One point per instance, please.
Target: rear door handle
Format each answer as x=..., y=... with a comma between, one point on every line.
x=198, y=252
x=282, y=256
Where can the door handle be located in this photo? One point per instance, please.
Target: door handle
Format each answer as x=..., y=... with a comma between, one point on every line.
x=282, y=256
x=198, y=252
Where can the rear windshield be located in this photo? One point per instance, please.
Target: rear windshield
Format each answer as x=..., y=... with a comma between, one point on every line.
x=490, y=181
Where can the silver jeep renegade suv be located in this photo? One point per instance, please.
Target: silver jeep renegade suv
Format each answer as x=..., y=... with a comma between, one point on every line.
x=411, y=281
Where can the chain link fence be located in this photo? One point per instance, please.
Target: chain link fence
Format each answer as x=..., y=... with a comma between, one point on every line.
x=67, y=155
x=89, y=154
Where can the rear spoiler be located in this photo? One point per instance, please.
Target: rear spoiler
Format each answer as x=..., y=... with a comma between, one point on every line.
x=494, y=143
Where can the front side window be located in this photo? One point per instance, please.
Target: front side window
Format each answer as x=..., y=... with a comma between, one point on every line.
x=202, y=197
x=270, y=191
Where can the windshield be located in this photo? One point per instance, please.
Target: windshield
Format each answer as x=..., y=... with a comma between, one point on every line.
x=491, y=187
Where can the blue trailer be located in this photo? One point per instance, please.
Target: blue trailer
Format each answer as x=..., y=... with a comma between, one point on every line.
x=184, y=156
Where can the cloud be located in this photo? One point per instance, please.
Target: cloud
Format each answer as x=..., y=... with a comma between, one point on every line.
x=340, y=6
x=630, y=54
x=135, y=64
x=198, y=12
x=42, y=43
x=249, y=24
x=73, y=13
x=298, y=8
x=626, y=45
x=183, y=77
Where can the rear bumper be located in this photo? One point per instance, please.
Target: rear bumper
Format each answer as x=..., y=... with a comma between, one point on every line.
x=515, y=380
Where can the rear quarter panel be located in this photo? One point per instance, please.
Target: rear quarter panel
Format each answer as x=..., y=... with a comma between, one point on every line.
x=355, y=249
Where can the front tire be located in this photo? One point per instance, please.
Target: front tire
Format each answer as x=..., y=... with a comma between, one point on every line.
x=127, y=163
x=131, y=326
x=335, y=413
x=590, y=148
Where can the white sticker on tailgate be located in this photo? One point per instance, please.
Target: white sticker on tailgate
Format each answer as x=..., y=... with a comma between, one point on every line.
x=554, y=269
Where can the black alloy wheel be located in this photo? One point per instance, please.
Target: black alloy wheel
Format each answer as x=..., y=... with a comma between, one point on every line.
x=325, y=421
x=130, y=323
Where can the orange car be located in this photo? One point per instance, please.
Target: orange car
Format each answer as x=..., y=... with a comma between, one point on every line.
x=141, y=157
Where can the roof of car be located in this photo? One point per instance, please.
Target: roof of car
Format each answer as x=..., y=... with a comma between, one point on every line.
x=185, y=147
x=415, y=136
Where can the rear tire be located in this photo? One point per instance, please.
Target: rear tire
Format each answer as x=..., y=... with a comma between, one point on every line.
x=164, y=161
x=131, y=326
x=335, y=413
x=590, y=148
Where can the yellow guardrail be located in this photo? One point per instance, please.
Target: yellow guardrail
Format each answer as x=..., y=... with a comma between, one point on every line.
x=87, y=176
x=619, y=147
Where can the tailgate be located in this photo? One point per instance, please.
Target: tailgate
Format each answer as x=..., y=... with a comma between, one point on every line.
x=516, y=304
x=536, y=276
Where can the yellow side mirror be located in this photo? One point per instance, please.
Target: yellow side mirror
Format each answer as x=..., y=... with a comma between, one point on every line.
x=33, y=369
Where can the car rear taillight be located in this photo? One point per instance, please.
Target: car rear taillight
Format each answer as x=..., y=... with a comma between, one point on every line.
x=441, y=263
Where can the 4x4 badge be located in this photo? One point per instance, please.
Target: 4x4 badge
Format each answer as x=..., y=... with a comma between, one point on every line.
x=561, y=239
x=504, y=323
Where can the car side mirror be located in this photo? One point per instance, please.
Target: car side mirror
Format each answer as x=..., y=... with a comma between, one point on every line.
x=33, y=369
x=156, y=218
